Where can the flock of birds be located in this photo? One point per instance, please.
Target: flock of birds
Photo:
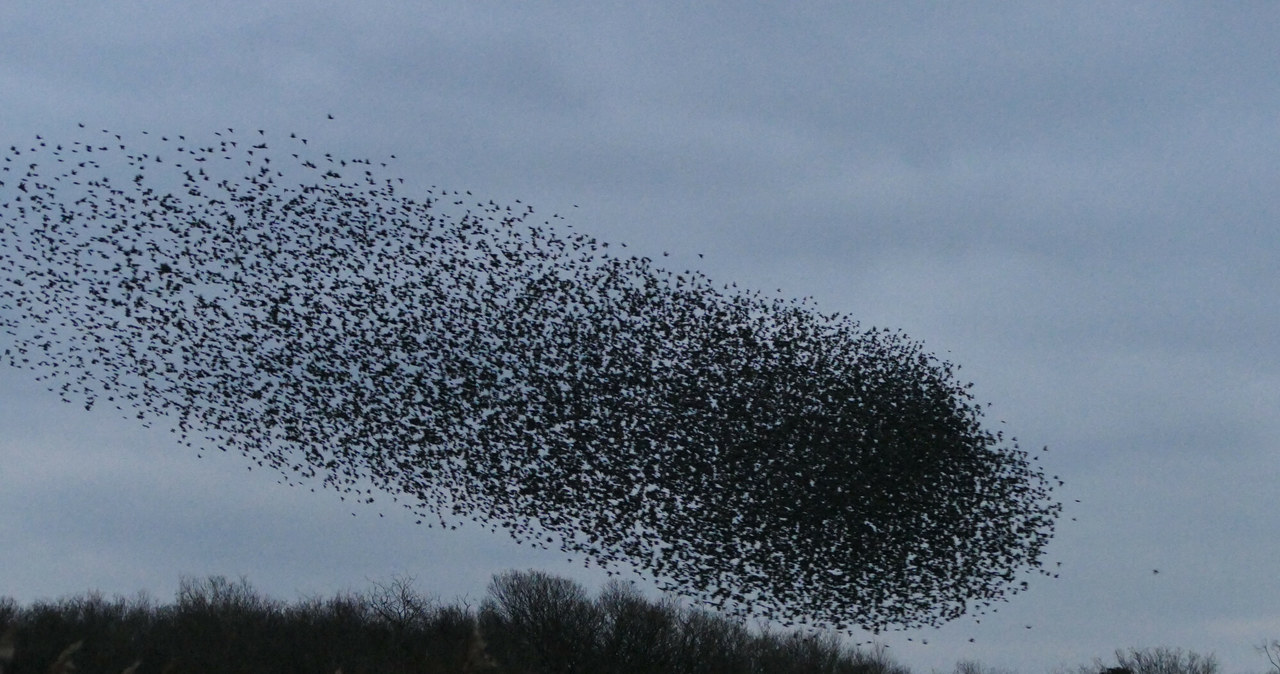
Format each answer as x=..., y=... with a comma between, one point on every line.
x=751, y=453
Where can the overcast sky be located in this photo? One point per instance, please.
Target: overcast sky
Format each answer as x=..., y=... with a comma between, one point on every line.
x=1076, y=202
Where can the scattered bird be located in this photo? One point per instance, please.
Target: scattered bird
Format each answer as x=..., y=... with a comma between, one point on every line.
x=746, y=451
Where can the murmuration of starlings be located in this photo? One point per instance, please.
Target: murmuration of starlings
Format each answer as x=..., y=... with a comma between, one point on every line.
x=470, y=361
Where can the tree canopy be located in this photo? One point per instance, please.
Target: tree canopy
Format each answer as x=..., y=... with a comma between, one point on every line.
x=473, y=361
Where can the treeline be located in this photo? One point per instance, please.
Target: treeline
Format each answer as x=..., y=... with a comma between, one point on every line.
x=529, y=623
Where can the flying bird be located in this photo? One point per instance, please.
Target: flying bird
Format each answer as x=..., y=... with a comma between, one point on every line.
x=476, y=363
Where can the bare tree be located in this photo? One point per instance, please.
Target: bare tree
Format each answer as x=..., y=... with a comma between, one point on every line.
x=537, y=618
x=1161, y=661
x=1272, y=651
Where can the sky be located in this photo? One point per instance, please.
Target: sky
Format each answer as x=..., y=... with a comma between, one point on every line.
x=1075, y=202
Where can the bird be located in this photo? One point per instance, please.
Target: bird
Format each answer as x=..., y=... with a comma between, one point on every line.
x=478, y=361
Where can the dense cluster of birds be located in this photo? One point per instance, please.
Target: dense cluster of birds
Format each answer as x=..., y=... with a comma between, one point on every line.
x=749, y=452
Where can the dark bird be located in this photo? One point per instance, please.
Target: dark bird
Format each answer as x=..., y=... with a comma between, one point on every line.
x=747, y=451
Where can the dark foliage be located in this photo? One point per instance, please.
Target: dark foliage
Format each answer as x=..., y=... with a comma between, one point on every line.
x=548, y=624
x=750, y=452
x=531, y=623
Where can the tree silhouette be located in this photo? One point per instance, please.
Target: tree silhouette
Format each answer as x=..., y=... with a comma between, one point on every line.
x=751, y=452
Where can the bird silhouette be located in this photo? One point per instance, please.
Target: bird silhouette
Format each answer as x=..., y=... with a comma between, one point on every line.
x=747, y=451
